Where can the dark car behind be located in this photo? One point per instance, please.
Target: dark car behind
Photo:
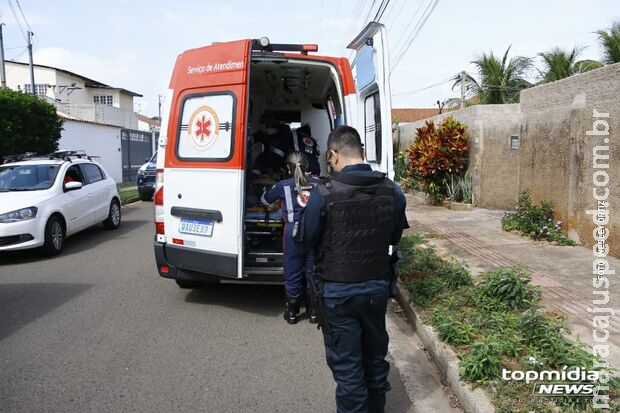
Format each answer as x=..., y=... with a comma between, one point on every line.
x=146, y=179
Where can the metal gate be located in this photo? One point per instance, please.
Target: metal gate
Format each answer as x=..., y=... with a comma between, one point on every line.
x=136, y=146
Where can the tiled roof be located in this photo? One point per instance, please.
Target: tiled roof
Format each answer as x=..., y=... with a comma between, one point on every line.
x=411, y=115
x=150, y=121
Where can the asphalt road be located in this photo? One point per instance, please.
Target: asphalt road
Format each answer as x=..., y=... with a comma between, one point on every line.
x=97, y=330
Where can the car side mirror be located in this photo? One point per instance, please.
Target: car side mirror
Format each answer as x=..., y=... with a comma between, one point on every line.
x=73, y=185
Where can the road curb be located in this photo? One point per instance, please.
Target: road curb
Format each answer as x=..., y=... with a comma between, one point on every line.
x=130, y=201
x=471, y=400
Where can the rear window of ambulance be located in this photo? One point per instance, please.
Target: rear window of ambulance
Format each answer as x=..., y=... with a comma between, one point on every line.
x=206, y=130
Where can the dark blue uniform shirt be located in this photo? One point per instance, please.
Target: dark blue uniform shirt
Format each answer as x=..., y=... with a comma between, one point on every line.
x=314, y=225
x=293, y=202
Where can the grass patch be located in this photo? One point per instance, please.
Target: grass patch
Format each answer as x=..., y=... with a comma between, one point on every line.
x=128, y=195
x=493, y=324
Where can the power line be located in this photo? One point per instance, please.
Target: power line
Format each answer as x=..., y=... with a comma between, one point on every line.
x=407, y=34
x=413, y=36
x=451, y=78
x=21, y=29
x=404, y=35
x=22, y=12
x=380, y=12
x=359, y=5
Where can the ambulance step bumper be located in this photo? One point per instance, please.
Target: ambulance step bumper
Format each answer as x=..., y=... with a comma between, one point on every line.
x=184, y=263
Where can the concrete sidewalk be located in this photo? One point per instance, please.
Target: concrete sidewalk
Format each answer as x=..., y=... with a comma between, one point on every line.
x=564, y=273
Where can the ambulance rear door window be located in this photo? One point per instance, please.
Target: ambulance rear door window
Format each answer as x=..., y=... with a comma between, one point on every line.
x=206, y=130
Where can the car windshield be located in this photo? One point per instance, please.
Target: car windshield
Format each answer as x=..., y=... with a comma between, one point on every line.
x=27, y=177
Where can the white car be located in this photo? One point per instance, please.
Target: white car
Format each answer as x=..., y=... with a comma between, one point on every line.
x=43, y=201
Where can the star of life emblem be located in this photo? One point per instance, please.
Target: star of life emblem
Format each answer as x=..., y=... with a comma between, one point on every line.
x=203, y=128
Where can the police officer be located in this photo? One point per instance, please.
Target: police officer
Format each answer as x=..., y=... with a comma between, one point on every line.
x=350, y=220
x=298, y=262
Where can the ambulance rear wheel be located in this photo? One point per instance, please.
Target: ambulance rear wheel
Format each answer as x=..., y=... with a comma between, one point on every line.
x=189, y=284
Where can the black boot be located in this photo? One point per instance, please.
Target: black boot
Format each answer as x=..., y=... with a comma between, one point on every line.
x=292, y=309
x=310, y=309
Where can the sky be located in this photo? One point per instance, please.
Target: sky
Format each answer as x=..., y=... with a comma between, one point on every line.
x=133, y=44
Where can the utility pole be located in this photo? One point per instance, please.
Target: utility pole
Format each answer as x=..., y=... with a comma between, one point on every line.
x=463, y=89
x=2, y=71
x=34, y=92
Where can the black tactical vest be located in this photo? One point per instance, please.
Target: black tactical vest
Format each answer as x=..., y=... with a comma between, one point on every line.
x=359, y=221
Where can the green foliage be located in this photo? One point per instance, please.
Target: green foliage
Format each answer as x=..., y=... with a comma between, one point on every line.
x=510, y=286
x=493, y=324
x=400, y=166
x=454, y=274
x=436, y=154
x=537, y=222
x=610, y=43
x=27, y=124
x=500, y=80
x=559, y=64
x=452, y=331
x=460, y=188
x=483, y=362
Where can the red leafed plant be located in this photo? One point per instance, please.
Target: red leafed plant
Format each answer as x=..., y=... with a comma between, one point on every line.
x=437, y=153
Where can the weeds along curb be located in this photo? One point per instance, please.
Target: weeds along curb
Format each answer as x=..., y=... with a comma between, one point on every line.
x=129, y=201
x=471, y=400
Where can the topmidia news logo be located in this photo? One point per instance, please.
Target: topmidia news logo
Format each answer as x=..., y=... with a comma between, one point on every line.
x=553, y=383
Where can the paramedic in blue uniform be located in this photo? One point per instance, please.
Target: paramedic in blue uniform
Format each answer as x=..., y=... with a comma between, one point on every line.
x=350, y=220
x=293, y=193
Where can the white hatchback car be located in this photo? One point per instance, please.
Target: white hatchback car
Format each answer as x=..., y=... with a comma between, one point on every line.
x=43, y=201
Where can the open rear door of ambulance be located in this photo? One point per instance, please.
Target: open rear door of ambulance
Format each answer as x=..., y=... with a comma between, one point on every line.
x=374, y=109
x=205, y=151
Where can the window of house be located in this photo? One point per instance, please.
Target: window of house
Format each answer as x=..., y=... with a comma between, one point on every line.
x=206, y=130
x=372, y=128
x=104, y=99
x=40, y=89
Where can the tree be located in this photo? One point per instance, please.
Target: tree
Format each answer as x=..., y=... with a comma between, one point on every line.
x=610, y=42
x=27, y=124
x=500, y=81
x=559, y=64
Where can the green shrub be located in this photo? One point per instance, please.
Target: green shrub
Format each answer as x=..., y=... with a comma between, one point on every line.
x=455, y=274
x=400, y=166
x=510, y=286
x=483, y=361
x=452, y=331
x=424, y=290
x=460, y=188
x=534, y=221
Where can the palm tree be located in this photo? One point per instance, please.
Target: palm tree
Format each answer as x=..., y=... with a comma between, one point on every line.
x=610, y=41
x=561, y=63
x=500, y=80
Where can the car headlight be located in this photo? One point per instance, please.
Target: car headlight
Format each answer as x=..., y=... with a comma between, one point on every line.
x=19, y=215
x=140, y=173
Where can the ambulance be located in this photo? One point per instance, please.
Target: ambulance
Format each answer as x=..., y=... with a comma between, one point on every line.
x=210, y=226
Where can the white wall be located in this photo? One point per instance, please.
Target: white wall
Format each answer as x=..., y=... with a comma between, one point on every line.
x=98, y=140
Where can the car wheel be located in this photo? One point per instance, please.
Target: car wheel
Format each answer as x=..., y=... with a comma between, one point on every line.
x=188, y=284
x=54, y=236
x=114, y=215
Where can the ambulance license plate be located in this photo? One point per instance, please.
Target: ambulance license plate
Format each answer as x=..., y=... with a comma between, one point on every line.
x=192, y=226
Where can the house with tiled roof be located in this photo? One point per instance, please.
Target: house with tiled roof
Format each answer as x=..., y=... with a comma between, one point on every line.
x=410, y=115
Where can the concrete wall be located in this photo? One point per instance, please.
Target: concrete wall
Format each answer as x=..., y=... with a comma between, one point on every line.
x=98, y=140
x=491, y=162
x=555, y=158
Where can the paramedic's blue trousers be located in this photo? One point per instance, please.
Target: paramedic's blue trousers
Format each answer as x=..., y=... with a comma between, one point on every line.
x=295, y=260
x=355, y=348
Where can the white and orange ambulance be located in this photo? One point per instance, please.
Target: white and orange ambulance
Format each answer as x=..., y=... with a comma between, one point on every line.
x=208, y=228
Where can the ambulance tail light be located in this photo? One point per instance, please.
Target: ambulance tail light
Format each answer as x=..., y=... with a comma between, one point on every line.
x=310, y=48
x=158, y=200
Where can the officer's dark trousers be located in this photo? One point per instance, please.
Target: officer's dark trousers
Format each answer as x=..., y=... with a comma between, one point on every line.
x=297, y=262
x=355, y=347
